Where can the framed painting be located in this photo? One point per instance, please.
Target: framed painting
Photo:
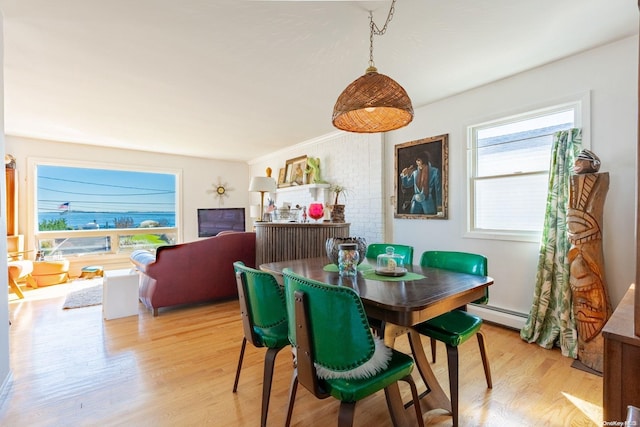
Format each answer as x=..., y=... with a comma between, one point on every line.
x=421, y=178
x=282, y=177
x=295, y=171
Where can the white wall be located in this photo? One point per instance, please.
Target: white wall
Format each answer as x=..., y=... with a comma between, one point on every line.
x=610, y=74
x=199, y=176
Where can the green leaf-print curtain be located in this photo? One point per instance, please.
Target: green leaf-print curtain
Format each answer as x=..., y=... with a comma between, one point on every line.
x=551, y=317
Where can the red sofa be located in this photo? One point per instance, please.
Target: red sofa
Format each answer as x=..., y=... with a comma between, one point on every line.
x=193, y=272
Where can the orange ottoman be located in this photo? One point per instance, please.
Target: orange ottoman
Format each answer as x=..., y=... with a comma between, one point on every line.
x=50, y=272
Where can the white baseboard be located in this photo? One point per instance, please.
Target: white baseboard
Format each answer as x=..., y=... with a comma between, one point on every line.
x=510, y=319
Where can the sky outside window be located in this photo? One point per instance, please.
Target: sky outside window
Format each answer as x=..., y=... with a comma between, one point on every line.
x=87, y=198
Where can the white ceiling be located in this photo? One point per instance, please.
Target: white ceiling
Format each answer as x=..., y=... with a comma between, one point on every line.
x=237, y=79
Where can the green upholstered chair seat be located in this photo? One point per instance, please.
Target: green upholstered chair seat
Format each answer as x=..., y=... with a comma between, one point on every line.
x=274, y=336
x=352, y=390
x=452, y=328
x=457, y=326
x=264, y=323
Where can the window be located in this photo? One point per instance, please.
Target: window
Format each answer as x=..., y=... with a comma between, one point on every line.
x=85, y=210
x=508, y=163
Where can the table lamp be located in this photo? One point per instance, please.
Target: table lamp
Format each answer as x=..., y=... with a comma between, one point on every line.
x=263, y=184
x=254, y=212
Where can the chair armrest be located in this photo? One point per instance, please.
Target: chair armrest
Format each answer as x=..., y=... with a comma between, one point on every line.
x=141, y=259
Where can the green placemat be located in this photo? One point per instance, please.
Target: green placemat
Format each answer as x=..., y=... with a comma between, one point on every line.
x=371, y=275
x=334, y=268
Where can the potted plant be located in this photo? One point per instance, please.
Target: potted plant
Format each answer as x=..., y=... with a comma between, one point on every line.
x=337, y=209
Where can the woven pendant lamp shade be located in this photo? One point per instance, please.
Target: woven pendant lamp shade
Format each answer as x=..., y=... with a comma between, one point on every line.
x=372, y=103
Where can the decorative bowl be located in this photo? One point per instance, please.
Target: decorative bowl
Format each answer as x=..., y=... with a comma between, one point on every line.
x=332, y=246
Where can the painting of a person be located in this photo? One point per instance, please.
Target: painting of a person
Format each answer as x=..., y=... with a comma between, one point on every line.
x=298, y=175
x=424, y=178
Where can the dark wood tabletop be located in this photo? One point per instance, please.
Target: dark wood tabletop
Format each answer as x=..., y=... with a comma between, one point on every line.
x=403, y=302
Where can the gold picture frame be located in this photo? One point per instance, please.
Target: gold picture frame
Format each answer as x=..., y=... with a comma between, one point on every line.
x=295, y=171
x=282, y=177
x=422, y=178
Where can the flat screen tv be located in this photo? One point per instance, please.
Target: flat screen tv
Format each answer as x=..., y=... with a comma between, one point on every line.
x=213, y=221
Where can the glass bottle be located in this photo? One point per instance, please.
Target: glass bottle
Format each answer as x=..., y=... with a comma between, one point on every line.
x=348, y=258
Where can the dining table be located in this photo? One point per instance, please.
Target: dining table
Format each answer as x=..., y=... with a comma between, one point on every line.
x=399, y=300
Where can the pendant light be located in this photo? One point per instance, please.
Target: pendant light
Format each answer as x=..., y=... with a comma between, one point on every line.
x=374, y=102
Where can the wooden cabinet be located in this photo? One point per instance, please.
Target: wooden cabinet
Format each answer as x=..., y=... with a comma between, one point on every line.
x=285, y=241
x=621, y=368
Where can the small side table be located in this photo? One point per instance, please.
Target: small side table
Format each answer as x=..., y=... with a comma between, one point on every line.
x=120, y=294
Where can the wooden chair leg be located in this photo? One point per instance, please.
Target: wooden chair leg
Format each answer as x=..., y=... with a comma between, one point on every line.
x=433, y=350
x=16, y=289
x=346, y=414
x=32, y=282
x=485, y=359
x=269, y=363
x=235, y=383
x=292, y=397
x=416, y=399
x=452, y=360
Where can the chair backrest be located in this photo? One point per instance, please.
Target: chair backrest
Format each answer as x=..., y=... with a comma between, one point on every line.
x=462, y=262
x=375, y=249
x=328, y=327
x=262, y=301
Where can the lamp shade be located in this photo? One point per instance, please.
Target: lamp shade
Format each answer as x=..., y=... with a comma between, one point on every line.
x=372, y=103
x=262, y=184
x=254, y=211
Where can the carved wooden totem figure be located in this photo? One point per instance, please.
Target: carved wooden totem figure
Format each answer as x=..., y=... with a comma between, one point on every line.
x=591, y=306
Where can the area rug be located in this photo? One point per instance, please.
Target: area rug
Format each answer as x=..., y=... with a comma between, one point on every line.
x=84, y=293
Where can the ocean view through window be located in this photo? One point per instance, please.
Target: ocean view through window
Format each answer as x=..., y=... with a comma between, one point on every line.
x=82, y=210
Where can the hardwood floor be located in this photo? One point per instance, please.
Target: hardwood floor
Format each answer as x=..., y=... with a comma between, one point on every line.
x=71, y=368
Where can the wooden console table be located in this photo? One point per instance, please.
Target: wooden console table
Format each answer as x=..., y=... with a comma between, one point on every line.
x=285, y=241
x=621, y=372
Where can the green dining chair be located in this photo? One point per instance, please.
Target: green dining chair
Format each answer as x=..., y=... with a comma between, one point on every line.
x=264, y=320
x=375, y=249
x=457, y=326
x=336, y=353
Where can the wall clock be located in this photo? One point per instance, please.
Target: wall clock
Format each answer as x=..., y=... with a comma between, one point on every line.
x=220, y=190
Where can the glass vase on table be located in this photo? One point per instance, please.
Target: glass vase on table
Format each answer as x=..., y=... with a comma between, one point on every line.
x=316, y=211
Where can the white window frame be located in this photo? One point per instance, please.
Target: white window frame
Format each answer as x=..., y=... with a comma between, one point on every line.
x=114, y=234
x=581, y=105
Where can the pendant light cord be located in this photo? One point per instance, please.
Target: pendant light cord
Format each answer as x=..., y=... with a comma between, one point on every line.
x=377, y=31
